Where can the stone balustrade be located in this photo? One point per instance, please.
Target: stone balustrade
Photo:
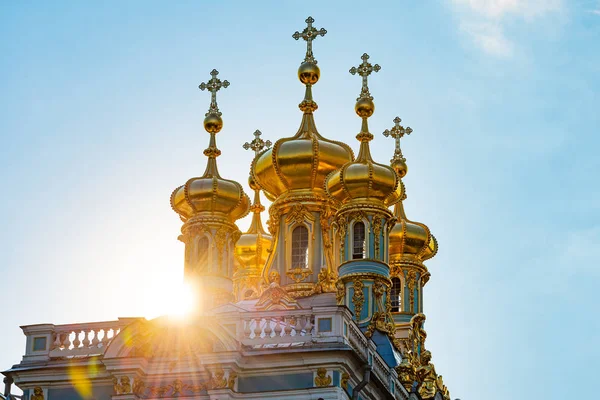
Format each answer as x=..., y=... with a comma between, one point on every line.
x=45, y=341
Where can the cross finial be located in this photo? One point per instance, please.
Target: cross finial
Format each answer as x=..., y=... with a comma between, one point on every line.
x=364, y=70
x=257, y=144
x=213, y=86
x=397, y=132
x=309, y=34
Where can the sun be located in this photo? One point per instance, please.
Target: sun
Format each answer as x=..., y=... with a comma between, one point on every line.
x=177, y=301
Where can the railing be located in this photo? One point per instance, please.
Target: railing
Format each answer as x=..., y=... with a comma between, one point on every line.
x=85, y=339
x=273, y=328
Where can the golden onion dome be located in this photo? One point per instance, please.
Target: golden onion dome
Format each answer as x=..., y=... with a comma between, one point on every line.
x=252, y=248
x=211, y=194
x=408, y=240
x=303, y=161
x=364, y=179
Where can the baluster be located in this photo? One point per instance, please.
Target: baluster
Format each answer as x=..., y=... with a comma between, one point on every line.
x=278, y=328
x=308, y=326
x=257, y=328
x=66, y=340
x=287, y=330
x=95, y=338
x=57, y=343
x=268, y=329
x=76, y=341
x=298, y=326
x=86, y=338
x=247, y=330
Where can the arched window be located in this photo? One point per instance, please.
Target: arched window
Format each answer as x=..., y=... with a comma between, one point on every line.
x=358, y=241
x=396, y=295
x=300, y=247
x=202, y=254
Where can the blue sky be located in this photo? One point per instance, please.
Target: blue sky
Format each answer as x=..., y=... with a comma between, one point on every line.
x=100, y=119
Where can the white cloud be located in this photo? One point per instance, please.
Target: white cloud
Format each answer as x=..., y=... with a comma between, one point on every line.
x=490, y=37
x=483, y=20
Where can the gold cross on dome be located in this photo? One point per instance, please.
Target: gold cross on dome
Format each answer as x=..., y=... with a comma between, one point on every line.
x=309, y=34
x=213, y=86
x=257, y=144
x=397, y=132
x=364, y=70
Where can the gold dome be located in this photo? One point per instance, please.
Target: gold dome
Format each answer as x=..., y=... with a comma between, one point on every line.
x=210, y=194
x=364, y=179
x=302, y=161
x=410, y=240
x=252, y=248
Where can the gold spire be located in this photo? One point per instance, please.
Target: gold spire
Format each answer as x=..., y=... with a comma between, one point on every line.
x=363, y=181
x=309, y=72
x=213, y=86
x=213, y=123
x=257, y=145
x=398, y=162
x=211, y=193
x=407, y=239
x=364, y=105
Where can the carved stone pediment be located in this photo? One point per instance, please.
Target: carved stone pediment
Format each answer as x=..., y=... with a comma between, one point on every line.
x=161, y=338
x=276, y=298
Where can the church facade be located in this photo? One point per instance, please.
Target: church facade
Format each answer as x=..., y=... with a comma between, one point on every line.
x=325, y=303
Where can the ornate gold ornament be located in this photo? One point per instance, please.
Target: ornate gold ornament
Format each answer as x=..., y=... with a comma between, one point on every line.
x=38, y=393
x=325, y=282
x=298, y=274
x=416, y=363
x=340, y=292
x=218, y=380
x=231, y=380
x=322, y=379
x=344, y=380
x=406, y=373
x=299, y=214
x=377, y=233
x=411, y=280
x=138, y=386
x=358, y=299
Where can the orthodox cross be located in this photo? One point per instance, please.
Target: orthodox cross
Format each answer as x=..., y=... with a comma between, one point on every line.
x=397, y=132
x=365, y=70
x=309, y=34
x=257, y=144
x=213, y=86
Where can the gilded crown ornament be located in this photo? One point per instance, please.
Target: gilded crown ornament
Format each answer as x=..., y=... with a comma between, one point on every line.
x=397, y=132
x=257, y=144
x=213, y=122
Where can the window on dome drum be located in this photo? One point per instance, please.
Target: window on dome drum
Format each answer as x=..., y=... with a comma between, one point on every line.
x=202, y=253
x=300, y=247
x=358, y=241
x=396, y=294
